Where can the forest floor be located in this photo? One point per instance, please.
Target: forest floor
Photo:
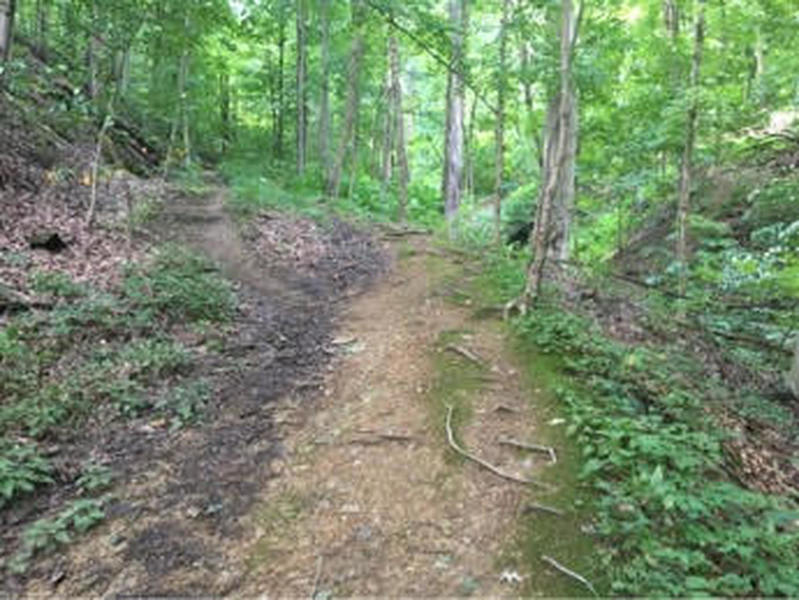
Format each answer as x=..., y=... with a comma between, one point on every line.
x=324, y=467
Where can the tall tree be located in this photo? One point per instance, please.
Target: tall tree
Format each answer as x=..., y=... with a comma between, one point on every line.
x=347, y=140
x=7, y=11
x=502, y=82
x=324, y=102
x=281, y=95
x=692, y=116
x=557, y=190
x=399, y=127
x=302, y=67
x=453, y=140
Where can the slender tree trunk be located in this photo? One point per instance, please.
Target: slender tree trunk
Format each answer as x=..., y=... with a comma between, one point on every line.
x=453, y=157
x=684, y=203
x=302, y=63
x=224, y=110
x=94, y=53
x=388, y=135
x=399, y=128
x=281, y=44
x=469, y=149
x=557, y=159
x=499, y=160
x=671, y=17
x=42, y=22
x=324, y=103
x=353, y=101
x=7, y=11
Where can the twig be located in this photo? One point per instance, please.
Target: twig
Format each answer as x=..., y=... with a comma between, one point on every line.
x=533, y=447
x=540, y=507
x=480, y=461
x=317, y=577
x=551, y=561
x=466, y=353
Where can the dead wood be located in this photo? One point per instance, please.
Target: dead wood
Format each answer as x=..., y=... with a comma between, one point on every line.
x=466, y=353
x=549, y=450
x=542, y=508
x=576, y=576
x=486, y=465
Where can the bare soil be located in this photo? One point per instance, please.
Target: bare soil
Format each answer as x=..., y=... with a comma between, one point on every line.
x=322, y=466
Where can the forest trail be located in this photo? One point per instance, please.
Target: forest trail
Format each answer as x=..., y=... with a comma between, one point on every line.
x=370, y=501
x=345, y=486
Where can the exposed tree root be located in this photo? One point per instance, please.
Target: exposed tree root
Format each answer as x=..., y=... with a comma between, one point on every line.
x=532, y=447
x=568, y=572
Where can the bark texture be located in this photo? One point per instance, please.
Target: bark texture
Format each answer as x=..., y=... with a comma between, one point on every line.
x=399, y=127
x=324, y=102
x=302, y=67
x=499, y=160
x=557, y=192
x=684, y=202
x=7, y=10
x=453, y=147
x=353, y=101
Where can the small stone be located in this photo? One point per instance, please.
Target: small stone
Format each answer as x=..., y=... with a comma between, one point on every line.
x=193, y=512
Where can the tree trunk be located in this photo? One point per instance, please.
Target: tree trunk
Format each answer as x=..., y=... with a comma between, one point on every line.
x=468, y=149
x=353, y=102
x=499, y=159
x=7, y=11
x=224, y=110
x=399, y=128
x=183, y=75
x=684, y=202
x=388, y=137
x=558, y=173
x=281, y=44
x=453, y=155
x=671, y=17
x=324, y=103
x=93, y=52
x=302, y=64
x=792, y=378
x=42, y=21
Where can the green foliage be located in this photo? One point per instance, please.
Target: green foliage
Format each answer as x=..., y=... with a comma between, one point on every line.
x=181, y=284
x=56, y=283
x=94, y=477
x=22, y=469
x=184, y=404
x=646, y=443
x=48, y=534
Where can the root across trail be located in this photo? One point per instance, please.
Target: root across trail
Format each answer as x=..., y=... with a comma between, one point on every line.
x=325, y=465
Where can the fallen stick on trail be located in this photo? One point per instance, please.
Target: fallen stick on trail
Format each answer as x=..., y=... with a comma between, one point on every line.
x=466, y=353
x=533, y=447
x=480, y=461
x=540, y=507
x=551, y=561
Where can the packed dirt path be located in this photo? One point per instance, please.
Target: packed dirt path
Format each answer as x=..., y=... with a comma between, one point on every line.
x=370, y=500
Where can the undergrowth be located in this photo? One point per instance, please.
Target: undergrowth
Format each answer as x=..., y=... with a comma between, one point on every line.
x=671, y=519
x=108, y=355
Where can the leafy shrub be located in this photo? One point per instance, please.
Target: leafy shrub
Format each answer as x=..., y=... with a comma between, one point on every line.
x=22, y=468
x=182, y=285
x=670, y=520
x=56, y=283
x=47, y=534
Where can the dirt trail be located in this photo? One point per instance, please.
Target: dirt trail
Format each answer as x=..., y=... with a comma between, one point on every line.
x=369, y=500
x=339, y=482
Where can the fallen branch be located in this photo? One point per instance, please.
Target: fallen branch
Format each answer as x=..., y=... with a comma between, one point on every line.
x=540, y=507
x=480, y=461
x=551, y=561
x=532, y=447
x=317, y=576
x=466, y=353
